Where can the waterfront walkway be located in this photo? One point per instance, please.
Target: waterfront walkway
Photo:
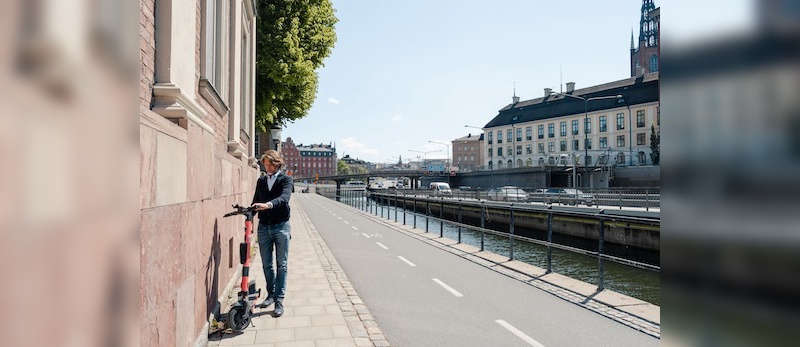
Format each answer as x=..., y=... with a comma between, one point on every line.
x=324, y=309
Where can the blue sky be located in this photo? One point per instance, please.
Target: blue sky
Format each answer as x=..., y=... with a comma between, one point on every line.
x=403, y=73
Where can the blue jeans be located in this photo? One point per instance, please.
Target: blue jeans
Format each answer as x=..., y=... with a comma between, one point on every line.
x=277, y=236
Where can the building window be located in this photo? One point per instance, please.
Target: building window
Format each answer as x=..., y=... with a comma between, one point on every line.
x=603, y=142
x=575, y=127
x=640, y=139
x=587, y=126
x=563, y=145
x=642, y=158
x=529, y=149
x=215, y=47
x=540, y=148
x=499, y=136
x=508, y=151
x=603, y=124
x=499, y=151
x=489, y=137
x=519, y=149
x=653, y=63
x=575, y=146
x=540, y=130
x=519, y=134
x=245, y=108
x=621, y=141
x=658, y=115
x=640, y=119
x=563, y=128
x=588, y=144
x=490, y=152
x=508, y=135
x=528, y=133
x=551, y=146
x=620, y=121
x=551, y=130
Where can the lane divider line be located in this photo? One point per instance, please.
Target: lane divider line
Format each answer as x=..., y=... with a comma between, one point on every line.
x=365, y=235
x=448, y=288
x=519, y=333
x=346, y=222
x=354, y=227
x=406, y=260
x=382, y=246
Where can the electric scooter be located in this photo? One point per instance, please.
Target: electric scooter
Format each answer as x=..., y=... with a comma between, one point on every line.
x=241, y=312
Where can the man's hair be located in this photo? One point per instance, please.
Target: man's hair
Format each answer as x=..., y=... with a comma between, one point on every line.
x=274, y=157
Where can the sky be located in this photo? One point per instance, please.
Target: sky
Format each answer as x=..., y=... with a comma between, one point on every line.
x=403, y=73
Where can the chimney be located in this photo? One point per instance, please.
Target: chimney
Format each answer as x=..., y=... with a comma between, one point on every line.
x=547, y=92
x=570, y=87
x=469, y=135
x=514, y=100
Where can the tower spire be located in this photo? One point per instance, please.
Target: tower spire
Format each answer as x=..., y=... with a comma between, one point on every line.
x=632, y=48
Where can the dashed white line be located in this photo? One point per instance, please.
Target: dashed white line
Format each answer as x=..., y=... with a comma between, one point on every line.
x=382, y=246
x=354, y=227
x=346, y=222
x=340, y=218
x=448, y=288
x=406, y=261
x=519, y=334
x=365, y=235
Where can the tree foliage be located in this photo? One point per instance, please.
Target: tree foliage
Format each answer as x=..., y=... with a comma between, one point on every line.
x=293, y=38
x=655, y=145
x=342, y=168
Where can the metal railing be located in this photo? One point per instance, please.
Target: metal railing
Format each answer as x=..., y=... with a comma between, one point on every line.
x=421, y=207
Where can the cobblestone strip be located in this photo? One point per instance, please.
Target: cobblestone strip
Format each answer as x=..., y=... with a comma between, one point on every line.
x=610, y=312
x=362, y=325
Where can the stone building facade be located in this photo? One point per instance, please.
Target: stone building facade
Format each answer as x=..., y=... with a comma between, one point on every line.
x=196, y=129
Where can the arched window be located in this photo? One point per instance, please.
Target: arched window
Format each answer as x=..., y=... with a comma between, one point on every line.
x=528, y=162
x=499, y=164
x=490, y=165
x=541, y=161
x=510, y=163
x=642, y=158
x=653, y=63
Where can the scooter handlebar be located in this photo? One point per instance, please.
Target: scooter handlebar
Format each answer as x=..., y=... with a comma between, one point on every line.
x=240, y=210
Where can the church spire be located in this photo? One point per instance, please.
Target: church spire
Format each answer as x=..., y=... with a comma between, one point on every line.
x=632, y=48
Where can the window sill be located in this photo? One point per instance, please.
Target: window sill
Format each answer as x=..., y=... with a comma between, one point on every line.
x=210, y=94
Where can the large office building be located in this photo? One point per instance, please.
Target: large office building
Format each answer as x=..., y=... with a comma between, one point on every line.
x=598, y=126
x=309, y=161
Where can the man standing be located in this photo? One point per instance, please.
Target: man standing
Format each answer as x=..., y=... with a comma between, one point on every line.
x=271, y=199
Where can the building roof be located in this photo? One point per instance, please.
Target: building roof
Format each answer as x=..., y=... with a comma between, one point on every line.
x=471, y=137
x=634, y=91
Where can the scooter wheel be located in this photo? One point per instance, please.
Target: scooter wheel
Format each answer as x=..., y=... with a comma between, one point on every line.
x=238, y=318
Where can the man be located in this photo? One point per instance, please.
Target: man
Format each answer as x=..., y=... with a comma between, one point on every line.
x=271, y=199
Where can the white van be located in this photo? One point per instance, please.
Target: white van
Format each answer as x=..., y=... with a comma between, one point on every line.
x=440, y=189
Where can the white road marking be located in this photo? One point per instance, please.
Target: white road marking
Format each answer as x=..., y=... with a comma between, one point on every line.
x=340, y=218
x=406, y=260
x=354, y=227
x=448, y=288
x=365, y=235
x=346, y=222
x=382, y=246
x=519, y=334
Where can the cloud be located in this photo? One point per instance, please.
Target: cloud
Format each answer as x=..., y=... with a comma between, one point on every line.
x=333, y=100
x=351, y=145
x=396, y=118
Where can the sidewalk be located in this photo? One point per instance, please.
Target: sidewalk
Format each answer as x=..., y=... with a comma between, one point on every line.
x=321, y=306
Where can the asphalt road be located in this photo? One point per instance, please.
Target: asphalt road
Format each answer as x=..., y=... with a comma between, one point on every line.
x=423, y=296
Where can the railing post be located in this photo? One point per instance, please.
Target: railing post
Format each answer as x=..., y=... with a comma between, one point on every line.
x=427, y=214
x=549, y=242
x=620, y=199
x=441, y=217
x=459, y=221
x=415, y=212
x=395, y=205
x=404, y=209
x=647, y=200
x=511, y=233
x=483, y=222
x=600, y=261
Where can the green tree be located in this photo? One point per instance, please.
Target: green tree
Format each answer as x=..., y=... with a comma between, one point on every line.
x=342, y=168
x=360, y=170
x=655, y=145
x=293, y=38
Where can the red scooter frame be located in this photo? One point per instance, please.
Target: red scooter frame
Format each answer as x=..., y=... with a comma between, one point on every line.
x=241, y=312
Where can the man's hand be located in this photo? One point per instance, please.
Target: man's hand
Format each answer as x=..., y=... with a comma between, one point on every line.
x=262, y=206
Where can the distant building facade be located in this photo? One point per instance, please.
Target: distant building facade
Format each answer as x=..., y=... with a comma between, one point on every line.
x=306, y=162
x=468, y=152
x=355, y=164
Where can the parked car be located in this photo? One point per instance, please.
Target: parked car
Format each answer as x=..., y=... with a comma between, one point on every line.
x=507, y=193
x=569, y=196
x=440, y=189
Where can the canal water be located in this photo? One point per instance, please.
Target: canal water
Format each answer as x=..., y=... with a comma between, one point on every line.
x=632, y=281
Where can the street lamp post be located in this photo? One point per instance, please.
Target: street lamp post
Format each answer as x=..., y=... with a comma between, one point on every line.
x=275, y=133
x=586, y=126
x=449, y=163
